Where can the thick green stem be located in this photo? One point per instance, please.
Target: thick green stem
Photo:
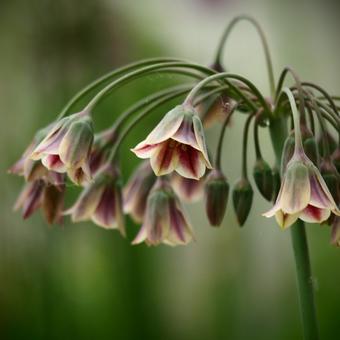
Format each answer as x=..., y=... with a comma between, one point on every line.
x=278, y=133
x=304, y=281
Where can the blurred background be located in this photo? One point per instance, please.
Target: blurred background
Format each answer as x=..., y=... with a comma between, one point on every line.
x=82, y=282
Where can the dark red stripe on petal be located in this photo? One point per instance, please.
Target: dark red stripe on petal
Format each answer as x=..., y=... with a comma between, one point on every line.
x=177, y=222
x=189, y=158
x=314, y=212
x=105, y=212
x=165, y=155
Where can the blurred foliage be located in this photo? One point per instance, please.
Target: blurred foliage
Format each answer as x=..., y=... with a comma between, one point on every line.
x=82, y=282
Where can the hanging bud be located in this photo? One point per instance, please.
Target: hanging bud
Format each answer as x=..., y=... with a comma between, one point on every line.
x=335, y=232
x=276, y=182
x=137, y=190
x=263, y=177
x=330, y=140
x=331, y=177
x=242, y=199
x=216, y=197
x=187, y=189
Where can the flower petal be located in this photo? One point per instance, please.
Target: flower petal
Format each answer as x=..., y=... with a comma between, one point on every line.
x=185, y=133
x=53, y=162
x=312, y=214
x=191, y=163
x=296, y=189
x=167, y=127
x=285, y=220
x=165, y=158
x=144, y=150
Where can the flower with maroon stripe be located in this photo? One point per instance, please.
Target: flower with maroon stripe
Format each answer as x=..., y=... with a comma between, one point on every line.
x=101, y=201
x=164, y=220
x=136, y=191
x=176, y=143
x=67, y=146
x=187, y=189
x=303, y=194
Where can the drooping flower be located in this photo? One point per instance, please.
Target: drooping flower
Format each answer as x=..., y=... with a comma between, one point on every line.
x=164, y=219
x=41, y=194
x=187, y=189
x=101, y=201
x=136, y=191
x=303, y=194
x=176, y=143
x=67, y=146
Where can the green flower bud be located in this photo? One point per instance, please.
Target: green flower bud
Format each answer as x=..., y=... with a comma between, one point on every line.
x=330, y=140
x=242, y=199
x=311, y=149
x=216, y=197
x=263, y=177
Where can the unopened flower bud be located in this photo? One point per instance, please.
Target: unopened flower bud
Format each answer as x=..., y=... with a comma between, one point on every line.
x=330, y=140
x=242, y=199
x=263, y=177
x=216, y=197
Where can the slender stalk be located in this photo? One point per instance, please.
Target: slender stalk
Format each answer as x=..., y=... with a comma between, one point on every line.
x=263, y=41
x=115, y=73
x=300, y=248
x=245, y=146
x=221, y=138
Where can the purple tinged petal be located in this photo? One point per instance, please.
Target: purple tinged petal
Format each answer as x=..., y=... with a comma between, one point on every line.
x=144, y=150
x=312, y=214
x=191, y=163
x=54, y=163
x=165, y=158
x=185, y=133
x=187, y=189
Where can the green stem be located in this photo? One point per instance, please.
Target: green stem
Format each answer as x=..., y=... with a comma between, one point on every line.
x=304, y=281
x=263, y=40
x=115, y=73
x=141, y=72
x=245, y=146
x=221, y=138
x=224, y=75
x=258, y=152
x=301, y=253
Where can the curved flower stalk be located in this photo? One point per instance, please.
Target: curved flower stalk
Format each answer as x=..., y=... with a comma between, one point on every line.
x=101, y=201
x=136, y=191
x=164, y=220
x=176, y=143
x=67, y=146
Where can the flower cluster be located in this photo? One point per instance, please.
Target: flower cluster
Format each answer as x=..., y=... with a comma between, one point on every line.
x=177, y=165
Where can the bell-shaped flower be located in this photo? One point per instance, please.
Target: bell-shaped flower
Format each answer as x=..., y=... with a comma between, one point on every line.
x=303, y=194
x=187, y=189
x=176, y=143
x=101, y=201
x=136, y=191
x=67, y=146
x=41, y=194
x=164, y=219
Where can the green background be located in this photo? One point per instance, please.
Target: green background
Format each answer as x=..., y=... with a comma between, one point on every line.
x=82, y=282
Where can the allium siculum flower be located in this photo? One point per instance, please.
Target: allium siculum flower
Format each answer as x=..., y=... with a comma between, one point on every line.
x=67, y=146
x=101, y=201
x=187, y=189
x=136, y=191
x=41, y=194
x=176, y=143
x=164, y=219
x=303, y=194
